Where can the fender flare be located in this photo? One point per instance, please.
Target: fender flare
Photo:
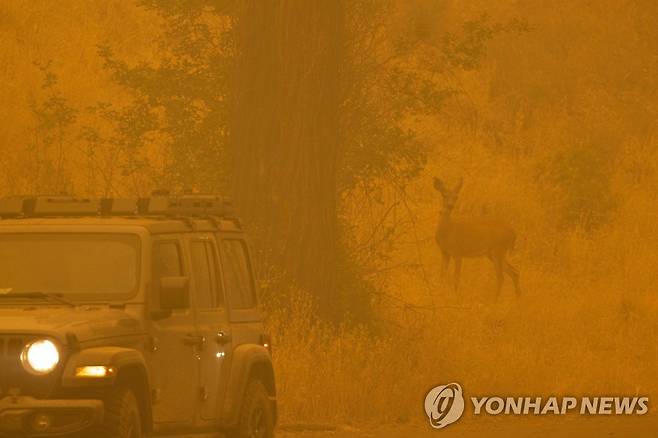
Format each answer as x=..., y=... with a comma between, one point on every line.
x=244, y=360
x=116, y=357
x=129, y=364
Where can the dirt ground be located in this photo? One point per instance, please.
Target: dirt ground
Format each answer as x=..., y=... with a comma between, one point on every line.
x=559, y=427
x=625, y=427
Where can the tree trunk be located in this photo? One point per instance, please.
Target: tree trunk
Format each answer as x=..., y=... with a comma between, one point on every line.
x=285, y=135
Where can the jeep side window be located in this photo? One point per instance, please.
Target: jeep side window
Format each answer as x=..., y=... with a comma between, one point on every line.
x=237, y=275
x=166, y=263
x=166, y=260
x=219, y=287
x=203, y=277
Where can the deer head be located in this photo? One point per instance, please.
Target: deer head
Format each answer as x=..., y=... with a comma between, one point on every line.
x=449, y=196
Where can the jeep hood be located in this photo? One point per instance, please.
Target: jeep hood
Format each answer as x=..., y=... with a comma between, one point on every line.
x=87, y=323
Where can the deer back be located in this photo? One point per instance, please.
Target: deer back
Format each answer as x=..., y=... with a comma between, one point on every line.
x=462, y=238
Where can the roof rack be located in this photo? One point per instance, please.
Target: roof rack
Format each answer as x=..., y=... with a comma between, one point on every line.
x=192, y=205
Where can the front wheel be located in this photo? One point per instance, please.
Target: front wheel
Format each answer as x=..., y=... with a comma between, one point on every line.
x=122, y=418
x=256, y=416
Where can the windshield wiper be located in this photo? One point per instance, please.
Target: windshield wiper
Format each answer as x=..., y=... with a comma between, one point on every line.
x=45, y=295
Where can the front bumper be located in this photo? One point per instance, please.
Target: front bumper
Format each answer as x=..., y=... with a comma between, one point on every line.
x=17, y=415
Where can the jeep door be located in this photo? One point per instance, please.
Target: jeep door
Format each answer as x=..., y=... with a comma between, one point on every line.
x=211, y=321
x=175, y=366
x=245, y=316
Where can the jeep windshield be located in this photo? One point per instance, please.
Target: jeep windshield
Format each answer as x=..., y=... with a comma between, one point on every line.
x=73, y=265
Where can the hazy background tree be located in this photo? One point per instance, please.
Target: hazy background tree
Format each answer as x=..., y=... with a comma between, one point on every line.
x=47, y=150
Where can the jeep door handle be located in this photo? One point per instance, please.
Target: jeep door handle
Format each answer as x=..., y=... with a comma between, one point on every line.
x=223, y=338
x=195, y=340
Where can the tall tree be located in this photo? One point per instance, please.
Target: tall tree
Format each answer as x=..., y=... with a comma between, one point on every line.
x=302, y=105
x=285, y=134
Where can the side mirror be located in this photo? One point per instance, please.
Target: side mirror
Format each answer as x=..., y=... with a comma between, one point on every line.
x=174, y=293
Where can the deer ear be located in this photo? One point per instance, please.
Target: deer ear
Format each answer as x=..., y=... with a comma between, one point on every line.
x=458, y=187
x=438, y=184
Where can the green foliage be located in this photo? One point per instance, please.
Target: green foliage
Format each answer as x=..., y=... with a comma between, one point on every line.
x=54, y=118
x=466, y=51
x=115, y=141
x=577, y=183
x=383, y=87
x=180, y=100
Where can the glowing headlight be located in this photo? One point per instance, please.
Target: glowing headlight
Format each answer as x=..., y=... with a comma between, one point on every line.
x=40, y=357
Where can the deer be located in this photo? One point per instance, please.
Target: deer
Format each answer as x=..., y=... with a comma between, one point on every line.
x=476, y=238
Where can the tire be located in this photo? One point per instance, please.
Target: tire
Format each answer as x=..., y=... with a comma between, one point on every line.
x=256, y=415
x=122, y=417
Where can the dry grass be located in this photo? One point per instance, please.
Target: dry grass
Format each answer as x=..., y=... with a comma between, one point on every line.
x=586, y=323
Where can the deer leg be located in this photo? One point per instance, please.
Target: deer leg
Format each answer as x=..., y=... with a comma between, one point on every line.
x=445, y=261
x=514, y=274
x=498, y=266
x=458, y=270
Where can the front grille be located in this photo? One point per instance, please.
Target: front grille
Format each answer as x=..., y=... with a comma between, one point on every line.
x=14, y=379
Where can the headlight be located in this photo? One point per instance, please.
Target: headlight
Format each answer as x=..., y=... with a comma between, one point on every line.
x=40, y=357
